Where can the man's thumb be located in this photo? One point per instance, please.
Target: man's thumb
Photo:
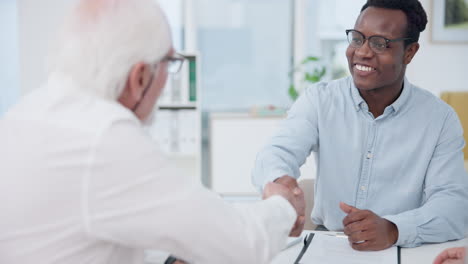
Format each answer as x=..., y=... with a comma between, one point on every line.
x=347, y=208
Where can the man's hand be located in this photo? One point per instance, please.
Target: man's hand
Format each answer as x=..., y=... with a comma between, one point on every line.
x=451, y=256
x=291, y=191
x=366, y=230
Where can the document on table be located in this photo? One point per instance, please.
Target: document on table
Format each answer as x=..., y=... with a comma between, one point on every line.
x=336, y=250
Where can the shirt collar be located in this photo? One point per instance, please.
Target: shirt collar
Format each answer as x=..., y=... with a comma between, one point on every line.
x=404, y=96
x=356, y=96
x=397, y=105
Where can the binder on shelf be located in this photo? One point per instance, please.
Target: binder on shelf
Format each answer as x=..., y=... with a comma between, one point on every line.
x=192, y=78
x=184, y=84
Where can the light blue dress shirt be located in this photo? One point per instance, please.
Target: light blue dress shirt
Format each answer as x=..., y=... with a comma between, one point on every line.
x=405, y=165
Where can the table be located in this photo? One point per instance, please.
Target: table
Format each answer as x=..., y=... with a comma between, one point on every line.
x=424, y=254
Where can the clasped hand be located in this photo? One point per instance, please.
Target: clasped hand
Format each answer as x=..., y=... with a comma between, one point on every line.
x=287, y=187
x=452, y=256
x=366, y=230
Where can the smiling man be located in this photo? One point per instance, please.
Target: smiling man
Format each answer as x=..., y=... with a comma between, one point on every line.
x=389, y=154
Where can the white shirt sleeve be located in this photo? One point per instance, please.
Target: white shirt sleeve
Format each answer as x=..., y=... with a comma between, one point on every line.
x=133, y=196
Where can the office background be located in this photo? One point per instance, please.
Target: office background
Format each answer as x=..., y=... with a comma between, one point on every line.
x=246, y=49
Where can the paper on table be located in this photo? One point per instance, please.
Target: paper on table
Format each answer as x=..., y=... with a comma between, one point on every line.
x=332, y=249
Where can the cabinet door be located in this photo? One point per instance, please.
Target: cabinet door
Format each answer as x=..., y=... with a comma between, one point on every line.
x=235, y=142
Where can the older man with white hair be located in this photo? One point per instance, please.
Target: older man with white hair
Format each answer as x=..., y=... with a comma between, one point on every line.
x=81, y=182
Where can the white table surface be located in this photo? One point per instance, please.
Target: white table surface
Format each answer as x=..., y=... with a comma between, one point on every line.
x=424, y=254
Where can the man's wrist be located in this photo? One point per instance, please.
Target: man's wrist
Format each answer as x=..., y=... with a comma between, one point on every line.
x=393, y=233
x=280, y=177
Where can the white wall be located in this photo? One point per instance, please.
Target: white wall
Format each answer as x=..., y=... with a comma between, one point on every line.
x=9, y=68
x=439, y=67
x=38, y=22
x=236, y=139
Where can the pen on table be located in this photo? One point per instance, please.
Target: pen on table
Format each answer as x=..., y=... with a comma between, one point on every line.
x=342, y=235
x=338, y=234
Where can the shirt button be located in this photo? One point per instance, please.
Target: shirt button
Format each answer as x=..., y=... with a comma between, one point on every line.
x=363, y=188
x=369, y=155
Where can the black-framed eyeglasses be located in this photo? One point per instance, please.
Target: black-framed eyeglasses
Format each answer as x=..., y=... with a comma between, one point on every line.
x=377, y=43
x=174, y=63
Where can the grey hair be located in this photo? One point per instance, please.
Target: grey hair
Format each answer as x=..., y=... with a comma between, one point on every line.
x=98, y=46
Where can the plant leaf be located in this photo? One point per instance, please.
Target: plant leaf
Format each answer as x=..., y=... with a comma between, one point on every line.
x=309, y=59
x=293, y=92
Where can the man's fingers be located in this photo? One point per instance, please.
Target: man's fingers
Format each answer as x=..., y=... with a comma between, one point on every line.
x=354, y=227
x=287, y=181
x=348, y=208
x=457, y=253
x=345, y=207
x=297, y=191
x=355, y=216
x=366, y=245
x=441, y=257
x=359, y=237
x=301, y=220
x=301, y=204
x=298, y=226
x=450, y=254
x=295, y=232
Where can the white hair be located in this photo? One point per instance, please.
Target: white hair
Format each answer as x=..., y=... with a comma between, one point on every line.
x=103, y=39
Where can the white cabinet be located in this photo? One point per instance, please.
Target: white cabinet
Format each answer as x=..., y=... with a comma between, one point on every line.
x=236, y=139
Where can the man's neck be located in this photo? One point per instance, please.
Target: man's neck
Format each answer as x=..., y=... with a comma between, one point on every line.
x=378, y=99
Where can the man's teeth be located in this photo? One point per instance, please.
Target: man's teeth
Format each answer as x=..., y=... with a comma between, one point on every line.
x=363, y=68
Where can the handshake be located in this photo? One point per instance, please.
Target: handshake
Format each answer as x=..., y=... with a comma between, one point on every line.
x=287, y=187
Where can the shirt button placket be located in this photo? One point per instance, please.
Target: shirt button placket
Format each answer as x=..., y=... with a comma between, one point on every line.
x=365, y=173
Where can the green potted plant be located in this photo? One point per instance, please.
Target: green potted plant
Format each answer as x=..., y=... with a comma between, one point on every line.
x=311, y=73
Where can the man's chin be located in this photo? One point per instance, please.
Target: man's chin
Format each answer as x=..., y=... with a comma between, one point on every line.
x=364, y=86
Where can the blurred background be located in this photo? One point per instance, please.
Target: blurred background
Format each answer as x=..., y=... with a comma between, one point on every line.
x=247, y=61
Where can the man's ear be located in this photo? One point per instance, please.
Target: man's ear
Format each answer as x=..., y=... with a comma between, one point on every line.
x=137, y=81
x=410, y=51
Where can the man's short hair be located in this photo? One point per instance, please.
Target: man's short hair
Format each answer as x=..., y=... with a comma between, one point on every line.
x=415, y=15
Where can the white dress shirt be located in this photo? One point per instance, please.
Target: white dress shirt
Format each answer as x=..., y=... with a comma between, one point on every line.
x=81, y=182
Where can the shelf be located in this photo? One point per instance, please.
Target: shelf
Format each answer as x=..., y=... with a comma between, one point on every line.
x=177, y=106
